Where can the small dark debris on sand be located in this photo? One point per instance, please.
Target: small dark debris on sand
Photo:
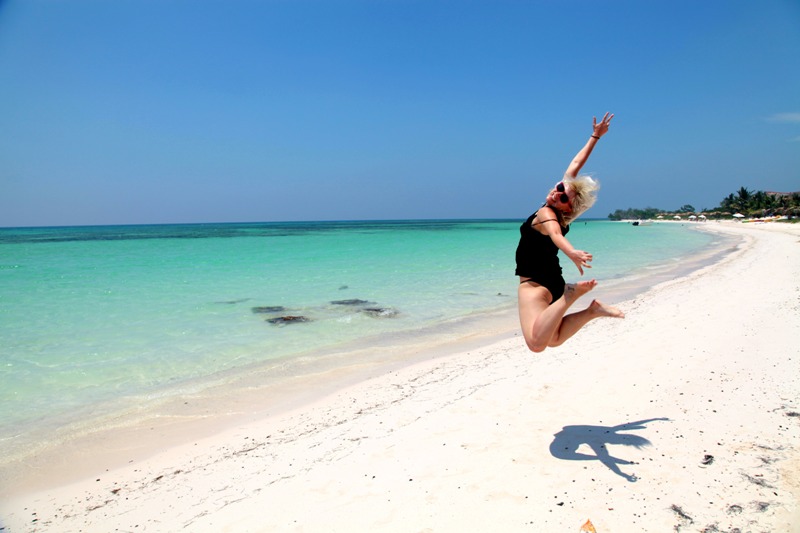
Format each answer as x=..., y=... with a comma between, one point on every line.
x=678, y=511
x=757, y=481
x=707, y=460
x=761, y=506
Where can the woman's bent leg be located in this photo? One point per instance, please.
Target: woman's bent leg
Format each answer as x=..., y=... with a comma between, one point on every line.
x=573, y=322
x=541, y=320
x=544, y=324
x=533, y=301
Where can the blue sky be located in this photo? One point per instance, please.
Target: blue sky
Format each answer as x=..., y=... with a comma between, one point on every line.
x=152, y=111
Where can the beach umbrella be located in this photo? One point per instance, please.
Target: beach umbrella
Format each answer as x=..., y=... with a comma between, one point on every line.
x=738, y=215
x=676, y=217
x=692, y=217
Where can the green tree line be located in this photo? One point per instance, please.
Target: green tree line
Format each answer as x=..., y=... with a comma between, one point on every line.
x=744, y=201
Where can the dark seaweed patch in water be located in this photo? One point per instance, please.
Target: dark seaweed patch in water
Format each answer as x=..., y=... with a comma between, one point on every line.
x=380, y=312
x=211, y=231
x=268, y=309
x=354, y=301
x=117, y=233
x=288, y=320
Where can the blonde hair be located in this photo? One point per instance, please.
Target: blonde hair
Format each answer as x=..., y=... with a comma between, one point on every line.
x=585, y=188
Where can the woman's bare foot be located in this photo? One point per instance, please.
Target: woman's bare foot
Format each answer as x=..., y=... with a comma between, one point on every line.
x=573, y=291
x=601, y=309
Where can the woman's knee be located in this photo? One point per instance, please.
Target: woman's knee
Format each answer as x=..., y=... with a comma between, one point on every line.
x=537, y=343
x=535, y=346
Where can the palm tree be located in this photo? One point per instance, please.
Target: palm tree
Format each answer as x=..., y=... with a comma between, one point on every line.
x=728, y=203
x=744, y=197
x=762, y=201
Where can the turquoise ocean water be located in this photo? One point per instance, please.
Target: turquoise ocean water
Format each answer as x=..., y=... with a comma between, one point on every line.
x=92, y=317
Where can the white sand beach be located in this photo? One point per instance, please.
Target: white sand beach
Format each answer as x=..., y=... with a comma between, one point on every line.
x=684, y=416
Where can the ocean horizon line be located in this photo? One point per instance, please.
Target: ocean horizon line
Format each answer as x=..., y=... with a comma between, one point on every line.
x=266, y=222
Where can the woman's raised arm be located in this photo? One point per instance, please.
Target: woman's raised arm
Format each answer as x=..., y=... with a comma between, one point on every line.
x=598, y=130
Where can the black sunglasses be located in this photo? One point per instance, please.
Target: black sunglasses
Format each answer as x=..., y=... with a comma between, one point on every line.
x=560, y=188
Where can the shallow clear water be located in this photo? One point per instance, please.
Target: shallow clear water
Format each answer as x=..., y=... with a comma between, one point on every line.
x=92, y=314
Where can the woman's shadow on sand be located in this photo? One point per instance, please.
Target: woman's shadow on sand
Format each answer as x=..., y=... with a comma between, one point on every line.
x=570, y=438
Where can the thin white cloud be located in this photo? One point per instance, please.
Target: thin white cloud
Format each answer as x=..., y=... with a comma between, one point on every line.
x=784, y=117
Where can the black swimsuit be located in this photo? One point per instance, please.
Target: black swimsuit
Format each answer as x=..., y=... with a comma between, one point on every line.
x=537, y=258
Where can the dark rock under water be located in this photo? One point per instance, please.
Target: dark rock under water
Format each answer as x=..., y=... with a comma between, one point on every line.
x=269, y=309
x=380, y=312
x=354, y=301
x=289, y=319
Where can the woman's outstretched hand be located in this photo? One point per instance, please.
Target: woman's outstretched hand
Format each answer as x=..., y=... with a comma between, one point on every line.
x=581, y=259
x=602, y=128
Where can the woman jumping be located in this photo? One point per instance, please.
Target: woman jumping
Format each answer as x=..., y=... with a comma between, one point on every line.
x=544, y=296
